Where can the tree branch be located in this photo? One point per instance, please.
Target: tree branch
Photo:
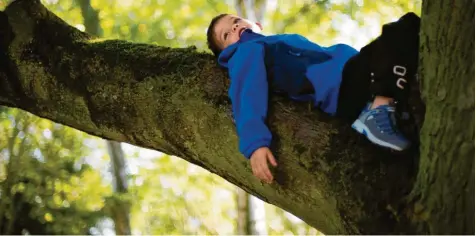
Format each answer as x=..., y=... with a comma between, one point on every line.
x=175, y=101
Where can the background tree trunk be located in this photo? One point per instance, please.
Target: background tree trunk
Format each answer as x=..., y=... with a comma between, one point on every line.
x=243, y=223
x=444, y=190
x=120, y=209
x=91, y=18
x=251, y=214
x=252, y=10
x=175, y=101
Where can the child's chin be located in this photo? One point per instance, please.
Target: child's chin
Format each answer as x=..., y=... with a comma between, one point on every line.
x=255, y=28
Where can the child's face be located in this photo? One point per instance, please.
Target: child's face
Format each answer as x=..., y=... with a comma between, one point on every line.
x=229, y=29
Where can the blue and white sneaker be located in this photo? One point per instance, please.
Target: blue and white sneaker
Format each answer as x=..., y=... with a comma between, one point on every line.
x=380, y=127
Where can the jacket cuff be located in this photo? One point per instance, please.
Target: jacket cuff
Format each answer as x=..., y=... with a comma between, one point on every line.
x=255, y=145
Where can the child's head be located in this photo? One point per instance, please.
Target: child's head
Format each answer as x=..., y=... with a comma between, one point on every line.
x=226, y=29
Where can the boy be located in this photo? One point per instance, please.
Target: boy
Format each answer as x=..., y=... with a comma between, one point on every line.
x=357, y=86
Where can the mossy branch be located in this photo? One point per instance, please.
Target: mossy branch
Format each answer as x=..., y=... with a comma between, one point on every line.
x=174, y=100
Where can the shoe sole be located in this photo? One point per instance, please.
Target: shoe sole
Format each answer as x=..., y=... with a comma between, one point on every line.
x=361, y=128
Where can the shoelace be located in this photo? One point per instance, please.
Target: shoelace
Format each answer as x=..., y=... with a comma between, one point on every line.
x=385, y=121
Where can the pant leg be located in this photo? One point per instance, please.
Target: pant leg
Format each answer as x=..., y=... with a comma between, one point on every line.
x=393, y=57
x=354, y=90
x=380, y=66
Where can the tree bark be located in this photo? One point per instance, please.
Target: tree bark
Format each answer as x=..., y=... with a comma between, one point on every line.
x=175, y=101
x=444, y=190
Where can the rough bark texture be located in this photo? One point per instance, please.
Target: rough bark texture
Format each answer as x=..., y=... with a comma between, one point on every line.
x=444, y=190
x=175, y=101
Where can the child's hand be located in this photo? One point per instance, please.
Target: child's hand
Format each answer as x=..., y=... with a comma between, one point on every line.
x=259, y=164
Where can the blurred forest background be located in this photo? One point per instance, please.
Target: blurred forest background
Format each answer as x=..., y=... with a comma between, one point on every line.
x=57, y=180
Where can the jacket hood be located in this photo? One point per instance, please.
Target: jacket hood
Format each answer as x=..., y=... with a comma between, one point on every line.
x=227, y=53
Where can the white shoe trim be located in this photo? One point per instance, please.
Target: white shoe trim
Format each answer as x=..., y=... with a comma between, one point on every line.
x=360, y=127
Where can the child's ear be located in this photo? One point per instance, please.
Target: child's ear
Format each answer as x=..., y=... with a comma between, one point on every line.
x=259, y=24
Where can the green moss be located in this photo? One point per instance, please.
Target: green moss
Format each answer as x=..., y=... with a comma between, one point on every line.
x=174, y=100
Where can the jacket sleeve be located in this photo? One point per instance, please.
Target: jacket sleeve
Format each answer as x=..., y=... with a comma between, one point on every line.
x=249, y=97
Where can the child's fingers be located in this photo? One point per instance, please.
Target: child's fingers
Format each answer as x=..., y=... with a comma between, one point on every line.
x=269, y=176
x=254, y=170
x=260, y=169
x=266, y=172
x=271, y=159
x=257, y=169
x=262, y=172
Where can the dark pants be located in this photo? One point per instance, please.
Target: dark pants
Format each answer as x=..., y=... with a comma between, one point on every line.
x=382, y=68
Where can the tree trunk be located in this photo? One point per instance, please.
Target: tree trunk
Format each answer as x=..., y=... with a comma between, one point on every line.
x=243, y=226
x=251, y=214
x=175, y=101
x=91, y=18
x=444, y=190
x=120, y=210
x=252, y=10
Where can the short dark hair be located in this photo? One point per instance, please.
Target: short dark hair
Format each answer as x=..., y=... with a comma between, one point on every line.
x=211, y=41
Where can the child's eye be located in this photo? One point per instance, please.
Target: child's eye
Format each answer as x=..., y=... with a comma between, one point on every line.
x=236, y=20
x=225, y=36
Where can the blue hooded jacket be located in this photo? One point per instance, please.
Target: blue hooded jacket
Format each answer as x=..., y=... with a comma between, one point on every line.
x=285, y=61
